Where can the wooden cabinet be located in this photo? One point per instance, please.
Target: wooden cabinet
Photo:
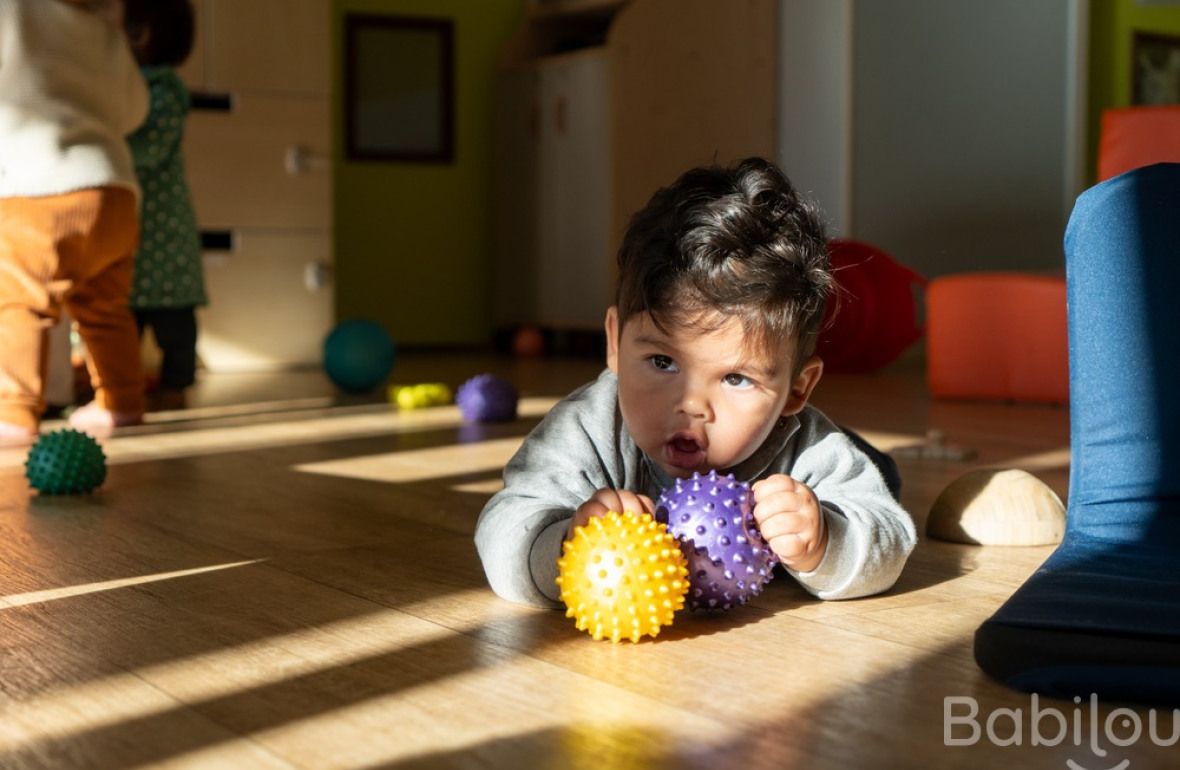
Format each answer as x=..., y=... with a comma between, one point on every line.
x=600, y=103
x=258, y=164
x=251, y=287
x=238, y=163
x=277, y=46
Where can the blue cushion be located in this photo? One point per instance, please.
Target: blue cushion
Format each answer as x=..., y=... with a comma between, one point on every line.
x=1102, y=614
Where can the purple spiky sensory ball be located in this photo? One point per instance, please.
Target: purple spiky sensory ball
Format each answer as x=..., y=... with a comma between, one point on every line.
x=487, y=398
x=728, y=560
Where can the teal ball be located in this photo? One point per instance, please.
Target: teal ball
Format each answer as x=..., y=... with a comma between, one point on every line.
x=358, y=355
x=65, y=462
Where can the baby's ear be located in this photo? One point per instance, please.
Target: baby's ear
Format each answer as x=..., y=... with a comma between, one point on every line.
x=611, y=324
x=803, y=384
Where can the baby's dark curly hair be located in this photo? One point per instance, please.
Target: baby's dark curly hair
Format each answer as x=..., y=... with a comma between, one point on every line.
x=729, y=242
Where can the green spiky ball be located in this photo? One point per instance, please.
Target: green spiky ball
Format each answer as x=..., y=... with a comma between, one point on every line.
x=66, y=462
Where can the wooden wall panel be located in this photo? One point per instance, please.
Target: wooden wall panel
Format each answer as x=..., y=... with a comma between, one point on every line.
x=270, y=45
x=694, y=83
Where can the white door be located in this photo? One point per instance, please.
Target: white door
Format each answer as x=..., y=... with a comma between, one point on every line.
x=574, y=204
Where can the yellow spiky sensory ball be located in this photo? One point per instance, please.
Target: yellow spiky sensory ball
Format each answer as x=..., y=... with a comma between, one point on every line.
x=622, y=576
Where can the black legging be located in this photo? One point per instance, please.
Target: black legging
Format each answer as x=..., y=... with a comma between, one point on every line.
x=175, y=330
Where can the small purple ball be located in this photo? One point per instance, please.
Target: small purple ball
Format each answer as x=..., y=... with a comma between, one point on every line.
x=487, y=398
x=728, y=560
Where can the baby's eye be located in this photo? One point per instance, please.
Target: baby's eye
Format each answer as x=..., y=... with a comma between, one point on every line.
x=733, y=379
x=663, y=363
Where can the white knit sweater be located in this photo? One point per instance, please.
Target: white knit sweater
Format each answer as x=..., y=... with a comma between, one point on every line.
x=70, y=92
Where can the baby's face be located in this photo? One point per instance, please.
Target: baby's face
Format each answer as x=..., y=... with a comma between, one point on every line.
x=698, y=401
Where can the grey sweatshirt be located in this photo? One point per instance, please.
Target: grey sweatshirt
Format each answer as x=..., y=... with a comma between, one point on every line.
x=582, y=445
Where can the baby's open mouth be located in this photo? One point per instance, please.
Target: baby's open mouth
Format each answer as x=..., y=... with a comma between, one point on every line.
x=684, y=452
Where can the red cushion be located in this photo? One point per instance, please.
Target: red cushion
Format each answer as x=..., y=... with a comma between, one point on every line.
x=874, y=316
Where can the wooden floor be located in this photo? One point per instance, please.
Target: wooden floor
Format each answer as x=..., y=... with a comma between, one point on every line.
x=294, y=585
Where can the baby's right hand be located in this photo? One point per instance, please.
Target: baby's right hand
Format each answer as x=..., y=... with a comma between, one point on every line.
x=605, y=500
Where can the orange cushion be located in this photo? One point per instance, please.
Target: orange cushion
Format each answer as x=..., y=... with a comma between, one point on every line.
x=997, y=336
x=1138, y=136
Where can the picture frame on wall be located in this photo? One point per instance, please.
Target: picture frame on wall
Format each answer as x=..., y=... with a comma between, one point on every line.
x=399, y=88
x=1155, y=68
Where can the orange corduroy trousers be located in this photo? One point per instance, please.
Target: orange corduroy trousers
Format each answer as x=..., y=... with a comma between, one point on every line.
x=77, y=250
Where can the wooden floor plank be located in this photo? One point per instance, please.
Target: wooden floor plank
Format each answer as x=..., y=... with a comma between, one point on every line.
x=299, y=589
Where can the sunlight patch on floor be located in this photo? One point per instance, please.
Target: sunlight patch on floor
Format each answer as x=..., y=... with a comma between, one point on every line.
x=421, y=464
x=51, y=594
x=488, y=487
x=157, y=442
x=476, y=457
x=253, y=408
x=583, y=723
x=152, y=690
x=887, y=442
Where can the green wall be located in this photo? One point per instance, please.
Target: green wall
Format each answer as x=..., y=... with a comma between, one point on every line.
x=413, y=240
x=1112, y=24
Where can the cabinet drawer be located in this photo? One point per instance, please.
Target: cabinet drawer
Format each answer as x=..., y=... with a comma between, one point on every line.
x=261, y=314
x=279, y=46
x=237, y=163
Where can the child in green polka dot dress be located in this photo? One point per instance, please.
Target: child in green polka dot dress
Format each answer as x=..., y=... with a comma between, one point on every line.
x=169, y=281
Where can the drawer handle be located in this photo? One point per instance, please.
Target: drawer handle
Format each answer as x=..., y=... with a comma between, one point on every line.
x=217, y=240
x=213, y=102
x=300, y=159
x=317, y=275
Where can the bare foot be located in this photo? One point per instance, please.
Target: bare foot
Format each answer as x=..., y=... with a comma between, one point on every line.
x=16, y=435
x=100, y=422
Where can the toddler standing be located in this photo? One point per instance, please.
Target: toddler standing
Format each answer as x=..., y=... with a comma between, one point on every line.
x=70, y=93
x=169, y=283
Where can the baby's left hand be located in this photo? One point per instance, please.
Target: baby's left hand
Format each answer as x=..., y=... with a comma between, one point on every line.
x=791, y=521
